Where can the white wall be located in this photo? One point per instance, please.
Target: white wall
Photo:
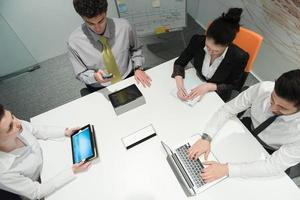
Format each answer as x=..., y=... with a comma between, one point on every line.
x=44, y=25
x=13, y=55
x=270, y=63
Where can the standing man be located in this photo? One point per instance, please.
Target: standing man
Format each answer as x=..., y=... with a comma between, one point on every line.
x=274, y=121
x=104, y=50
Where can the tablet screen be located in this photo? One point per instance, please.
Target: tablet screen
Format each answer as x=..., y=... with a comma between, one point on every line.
x=82, y=145
x=125, y=96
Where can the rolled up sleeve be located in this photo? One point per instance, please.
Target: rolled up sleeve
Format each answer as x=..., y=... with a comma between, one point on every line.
x=24, y=186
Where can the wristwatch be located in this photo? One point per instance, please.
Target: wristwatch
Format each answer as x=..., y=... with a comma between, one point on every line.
x=205, y=136
x=139, y=68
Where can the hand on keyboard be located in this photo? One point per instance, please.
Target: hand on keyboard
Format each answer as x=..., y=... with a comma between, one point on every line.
x=213, y=171
x=200, y=147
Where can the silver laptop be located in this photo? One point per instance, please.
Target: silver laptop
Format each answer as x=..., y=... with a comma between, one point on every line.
x=187, y=171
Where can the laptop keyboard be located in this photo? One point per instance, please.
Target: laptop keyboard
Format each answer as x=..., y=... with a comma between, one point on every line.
x=193, y=167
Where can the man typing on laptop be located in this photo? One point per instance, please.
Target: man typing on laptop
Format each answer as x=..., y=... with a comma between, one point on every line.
x=274, y=122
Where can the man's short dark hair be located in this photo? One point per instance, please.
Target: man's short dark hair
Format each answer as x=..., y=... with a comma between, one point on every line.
x=2, y=111
x=90, y=8
x=287, y=86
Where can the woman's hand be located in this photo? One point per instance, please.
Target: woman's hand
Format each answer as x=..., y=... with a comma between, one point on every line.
x=202, y=90
x=182, y=94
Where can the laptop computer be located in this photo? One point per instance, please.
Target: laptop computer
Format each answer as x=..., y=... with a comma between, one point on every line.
x=187, y=171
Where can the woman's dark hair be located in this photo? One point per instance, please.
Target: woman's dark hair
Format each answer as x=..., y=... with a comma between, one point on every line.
x=90, y=8
x=223, y=29
x=287, y=86
x=1, y=112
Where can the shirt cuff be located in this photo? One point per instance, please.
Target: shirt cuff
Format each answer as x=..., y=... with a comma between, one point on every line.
x=234, y=170
x=87, y=77
x=58, y=132
x=64, y=177
x=178, y=71
x=137, y=63
x=220, y=87
x=47, y=132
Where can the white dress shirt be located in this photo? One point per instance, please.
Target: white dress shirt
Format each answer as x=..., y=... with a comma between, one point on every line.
x=85, y=50
x=20, y=169
x=208, y=70
x=283, y=134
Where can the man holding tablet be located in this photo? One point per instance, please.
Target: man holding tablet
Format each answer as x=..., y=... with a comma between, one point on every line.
x=84, y=146
x=21, y=159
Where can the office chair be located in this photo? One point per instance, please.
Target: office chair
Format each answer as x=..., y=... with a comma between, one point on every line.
x=294, y=171
x=250, y=42
x=8, y=195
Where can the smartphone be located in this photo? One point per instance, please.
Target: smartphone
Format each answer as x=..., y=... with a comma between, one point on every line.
x=107, y=76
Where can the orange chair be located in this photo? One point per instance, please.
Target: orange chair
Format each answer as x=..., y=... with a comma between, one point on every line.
x=250, y=42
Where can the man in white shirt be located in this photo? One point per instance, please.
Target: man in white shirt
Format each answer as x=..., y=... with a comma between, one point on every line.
x=21, y=159
x=89, y=44
x=275, y=120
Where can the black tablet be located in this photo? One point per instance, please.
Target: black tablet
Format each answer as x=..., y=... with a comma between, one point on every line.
x=84, y=147
x=124, y=96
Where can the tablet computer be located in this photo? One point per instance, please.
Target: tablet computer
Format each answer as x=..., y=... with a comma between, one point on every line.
x=124, y=96
x=84, y=147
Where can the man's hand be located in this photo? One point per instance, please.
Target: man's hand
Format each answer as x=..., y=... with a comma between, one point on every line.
x=80, y=167
x=70, y=131
x=99, y=76
x=200, y=147
x=141, y=77
x=213, y=171
x=202, y=90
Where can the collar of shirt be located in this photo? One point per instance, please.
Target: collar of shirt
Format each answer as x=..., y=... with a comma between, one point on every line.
x=220, y=57
x=291, y=117
x=283, y=117
x=107, y=32
x=7, y=159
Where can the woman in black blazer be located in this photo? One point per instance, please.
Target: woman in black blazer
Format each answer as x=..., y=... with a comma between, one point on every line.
x=216, y=59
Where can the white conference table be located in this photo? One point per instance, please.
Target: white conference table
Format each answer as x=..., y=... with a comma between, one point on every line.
x=142, y=172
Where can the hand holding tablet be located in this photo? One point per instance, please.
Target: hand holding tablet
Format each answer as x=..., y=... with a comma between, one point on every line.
x=70, y=131
x=80, y=167
x=84, y=147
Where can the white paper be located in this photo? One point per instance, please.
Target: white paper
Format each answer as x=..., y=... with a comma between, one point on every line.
x=189, y=84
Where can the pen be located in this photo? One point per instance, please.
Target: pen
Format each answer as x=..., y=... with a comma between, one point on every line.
x=184, y=92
